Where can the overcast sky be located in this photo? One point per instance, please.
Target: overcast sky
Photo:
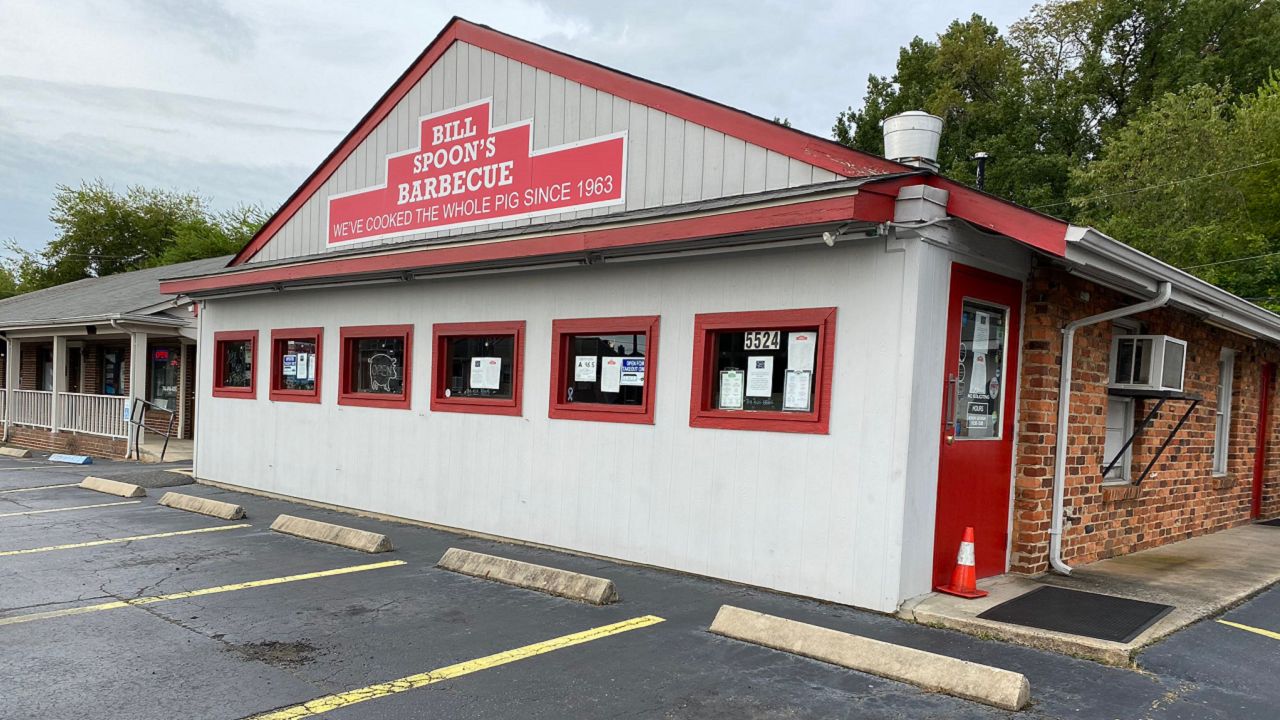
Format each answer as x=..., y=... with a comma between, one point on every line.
x=240, y=100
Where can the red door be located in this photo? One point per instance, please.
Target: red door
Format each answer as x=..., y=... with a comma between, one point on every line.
x=979, y=386
x=1260, y=448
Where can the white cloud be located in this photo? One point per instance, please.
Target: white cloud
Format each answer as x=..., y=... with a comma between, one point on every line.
x=242, y=98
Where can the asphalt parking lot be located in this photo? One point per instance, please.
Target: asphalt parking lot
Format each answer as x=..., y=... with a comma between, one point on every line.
x=215, y=641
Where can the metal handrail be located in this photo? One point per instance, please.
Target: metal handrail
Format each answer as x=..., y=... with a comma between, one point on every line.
x=138, y=420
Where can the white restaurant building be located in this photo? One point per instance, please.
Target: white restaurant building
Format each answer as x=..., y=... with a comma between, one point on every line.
x=537, y=298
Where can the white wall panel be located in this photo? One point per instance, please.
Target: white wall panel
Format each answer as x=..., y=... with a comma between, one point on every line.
x=810, y=514
x=669, y=160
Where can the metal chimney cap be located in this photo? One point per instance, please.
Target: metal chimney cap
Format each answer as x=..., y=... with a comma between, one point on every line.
x=912, y=138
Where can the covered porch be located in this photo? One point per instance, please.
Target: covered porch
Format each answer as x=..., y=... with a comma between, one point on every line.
x=74, y=388
x=81, y=359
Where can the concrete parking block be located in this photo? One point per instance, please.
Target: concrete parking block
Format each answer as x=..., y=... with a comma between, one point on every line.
x=15, y=452
x=938, y=673
x=340, y=535
x=553, y=581
x=71, y=459
x=204, y=506
x=112, y=487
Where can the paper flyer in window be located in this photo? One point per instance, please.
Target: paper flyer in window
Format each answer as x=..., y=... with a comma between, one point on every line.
x=300, y=367
x=760, y=376
x=632, y=372
x=978, y=380
x=486, y=373
x=731, y=389
x=611, y=375
x=290, y=365
x=796, y=388
x=981, y=331
x=311, y=366
x=584, y=368
x=800, y=349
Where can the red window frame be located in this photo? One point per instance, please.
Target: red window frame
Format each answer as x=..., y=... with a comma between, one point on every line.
x=817, y=421
x=347, y=396
x=562, y=330
x=278, y=338
x=224, y=391
x=440, y=334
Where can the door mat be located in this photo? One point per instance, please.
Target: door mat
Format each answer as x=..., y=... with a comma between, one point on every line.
x=1104, y=617
x=1272, y=523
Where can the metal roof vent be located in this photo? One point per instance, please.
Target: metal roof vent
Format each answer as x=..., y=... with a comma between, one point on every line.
x=912, y=138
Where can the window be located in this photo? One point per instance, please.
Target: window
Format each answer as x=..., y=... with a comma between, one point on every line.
x=233, y=374
x=44, y=360
x=478, y=367
x=979, y=383
x=1119, y=422
x=295, y=364
x=604, y=369
x=1222, y=418
x=376, y=368
x=166, y=368
x=763, y=370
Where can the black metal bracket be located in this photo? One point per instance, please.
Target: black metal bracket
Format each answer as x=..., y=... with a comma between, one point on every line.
x=1146, y=423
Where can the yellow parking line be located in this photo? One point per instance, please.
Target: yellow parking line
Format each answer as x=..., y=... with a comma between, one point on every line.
x=39, y=487
x=112, y=541
x=77, y=507
x=1260, y=631
x=194, y=593
x=351, y=697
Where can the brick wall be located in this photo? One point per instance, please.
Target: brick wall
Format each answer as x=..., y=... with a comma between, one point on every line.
x=1181, y=497
x=67, y=442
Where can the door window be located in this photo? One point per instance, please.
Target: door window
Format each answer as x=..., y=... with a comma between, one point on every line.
x=166, y=364
x=979, y=377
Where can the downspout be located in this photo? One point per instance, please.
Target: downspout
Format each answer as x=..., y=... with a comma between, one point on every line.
x=1064, y=412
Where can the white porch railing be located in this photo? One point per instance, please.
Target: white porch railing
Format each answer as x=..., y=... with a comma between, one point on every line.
x=93, y=414
x=32, y=407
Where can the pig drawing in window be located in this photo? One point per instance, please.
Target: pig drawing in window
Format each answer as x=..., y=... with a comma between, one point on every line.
x=383, y=371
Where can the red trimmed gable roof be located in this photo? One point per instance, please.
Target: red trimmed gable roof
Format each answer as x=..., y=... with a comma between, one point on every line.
x=811, y=149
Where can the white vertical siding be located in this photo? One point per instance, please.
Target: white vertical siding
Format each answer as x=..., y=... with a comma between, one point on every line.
x=669, y=160
x=817, y=515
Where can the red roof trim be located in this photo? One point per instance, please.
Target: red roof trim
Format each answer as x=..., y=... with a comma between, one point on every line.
x=814, y=212
x=811, y=149
x=998, y=215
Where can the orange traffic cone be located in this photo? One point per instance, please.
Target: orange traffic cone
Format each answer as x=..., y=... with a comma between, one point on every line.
x=964, y=579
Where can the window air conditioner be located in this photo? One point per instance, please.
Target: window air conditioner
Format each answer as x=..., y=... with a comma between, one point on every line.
x=1147, y=362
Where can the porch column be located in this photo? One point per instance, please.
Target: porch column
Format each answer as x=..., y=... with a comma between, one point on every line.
x=12, y=377
x=59, y=381
x=137, y=374
x=182, y=390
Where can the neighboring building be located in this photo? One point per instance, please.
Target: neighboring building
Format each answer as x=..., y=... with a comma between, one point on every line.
x=537, y=298
x=69, y=371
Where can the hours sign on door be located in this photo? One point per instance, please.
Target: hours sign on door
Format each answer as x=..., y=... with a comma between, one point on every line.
x=465, y=172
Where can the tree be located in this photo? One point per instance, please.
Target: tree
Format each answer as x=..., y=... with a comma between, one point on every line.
x=1194, y=179
x=974, y=79
x=102, y=232
x=212, y=236
x=1042, y=100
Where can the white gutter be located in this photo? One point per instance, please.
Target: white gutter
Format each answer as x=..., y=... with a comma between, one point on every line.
x=1064, y=412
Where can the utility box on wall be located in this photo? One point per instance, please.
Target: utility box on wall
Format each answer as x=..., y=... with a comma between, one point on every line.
x=1147, y=362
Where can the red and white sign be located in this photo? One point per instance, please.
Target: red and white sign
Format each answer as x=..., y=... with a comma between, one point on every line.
x=465, y=172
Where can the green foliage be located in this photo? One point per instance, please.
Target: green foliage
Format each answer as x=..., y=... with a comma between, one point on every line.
x=102, y=232
x=1042, y=100
x=212, y=235
x=1193, y=179
x=1099, y=110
